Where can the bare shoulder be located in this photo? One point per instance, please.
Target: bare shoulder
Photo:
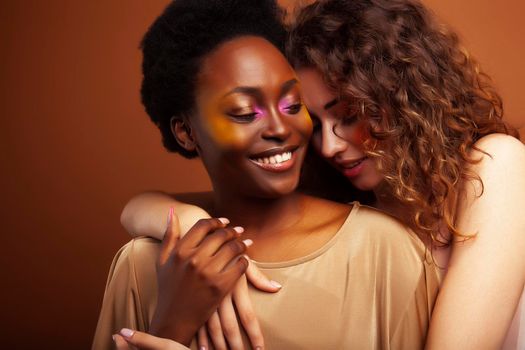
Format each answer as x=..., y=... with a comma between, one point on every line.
x=500, y=195
x=501, y=165
x=500, y=148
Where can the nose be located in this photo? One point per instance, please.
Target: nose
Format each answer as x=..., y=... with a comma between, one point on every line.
x=331, y=144
x=277, y=127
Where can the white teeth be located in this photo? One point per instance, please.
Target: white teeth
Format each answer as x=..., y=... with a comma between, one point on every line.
x=278, y=158
x=354, y=164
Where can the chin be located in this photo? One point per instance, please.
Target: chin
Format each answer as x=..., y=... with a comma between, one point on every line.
x=365, y=184
x=277, y=190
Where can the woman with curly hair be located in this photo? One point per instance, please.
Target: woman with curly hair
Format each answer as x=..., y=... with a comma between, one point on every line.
x=401, y=110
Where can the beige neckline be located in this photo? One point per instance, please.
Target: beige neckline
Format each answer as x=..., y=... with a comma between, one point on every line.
x=315, y=253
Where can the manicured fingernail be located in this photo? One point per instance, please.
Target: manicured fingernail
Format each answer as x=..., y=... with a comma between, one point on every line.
x=247, y=242
x=202, y=347
x=224, y=221
x=113, y=337
x=276, y=284
x=170, y=215
x=258, y=348
x=126, y=332
x=238, y=229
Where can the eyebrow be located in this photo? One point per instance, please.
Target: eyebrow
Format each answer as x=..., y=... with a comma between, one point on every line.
x=331, y=104
x=287, y=86
x=250, y=90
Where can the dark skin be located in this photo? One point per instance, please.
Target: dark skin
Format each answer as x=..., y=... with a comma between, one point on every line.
x=207, y=261
x=251, y=132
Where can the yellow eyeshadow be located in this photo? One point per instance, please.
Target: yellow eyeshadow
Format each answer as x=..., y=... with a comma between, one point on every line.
x=223, y=131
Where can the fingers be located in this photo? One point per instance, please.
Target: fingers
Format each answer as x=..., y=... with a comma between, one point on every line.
x=121, y=343
x=229, y=324
x=260, y=281
x=228, y=254
x=171, y=237
x=213, y=242
x=246, y=313
x=202, y=338
x=215, y=332
x=200, y=230
x=143, y=341
x=234, y=271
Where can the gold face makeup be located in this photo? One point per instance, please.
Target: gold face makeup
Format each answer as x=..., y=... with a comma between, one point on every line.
x=245, y=105
x=251, y=127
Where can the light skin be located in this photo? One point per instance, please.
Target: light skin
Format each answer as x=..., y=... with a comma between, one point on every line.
x=490, y=264
x=331, y=117
x=251, y=132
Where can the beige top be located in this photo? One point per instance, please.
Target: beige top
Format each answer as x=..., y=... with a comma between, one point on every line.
x=369, y=287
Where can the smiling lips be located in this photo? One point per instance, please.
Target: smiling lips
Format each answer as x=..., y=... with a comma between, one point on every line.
x=277, y=162
x=354, y=168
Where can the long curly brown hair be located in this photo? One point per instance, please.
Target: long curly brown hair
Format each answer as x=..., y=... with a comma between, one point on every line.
x=423, y=97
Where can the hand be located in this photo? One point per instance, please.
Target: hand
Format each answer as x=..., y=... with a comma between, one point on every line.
x=194, y=274
x=129, y=339
x=223, y=327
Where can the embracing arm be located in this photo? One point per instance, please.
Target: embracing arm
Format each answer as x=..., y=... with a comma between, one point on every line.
x=486, y=274
x=145, y=214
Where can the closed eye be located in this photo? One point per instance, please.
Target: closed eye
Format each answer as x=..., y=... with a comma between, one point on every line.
x=294, y=108
x=244, y=118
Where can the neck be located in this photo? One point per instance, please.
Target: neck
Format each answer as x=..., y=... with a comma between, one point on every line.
x=259, y=215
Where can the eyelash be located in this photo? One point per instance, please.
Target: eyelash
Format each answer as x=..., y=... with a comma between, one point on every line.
x=249, y=117
x=294, y=108
x=244, y=118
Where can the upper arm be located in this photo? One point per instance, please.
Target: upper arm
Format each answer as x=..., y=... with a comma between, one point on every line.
x=486, y=273
x=146, y=214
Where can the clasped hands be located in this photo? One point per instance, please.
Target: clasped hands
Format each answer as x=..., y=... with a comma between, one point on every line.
x=201, y=282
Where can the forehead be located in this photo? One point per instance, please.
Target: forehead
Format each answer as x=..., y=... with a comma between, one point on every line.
x=315, y=92
x=244, y=61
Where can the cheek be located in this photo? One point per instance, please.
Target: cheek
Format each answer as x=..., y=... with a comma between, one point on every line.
x=360, y=135
x=307, y=124
x=222, y=132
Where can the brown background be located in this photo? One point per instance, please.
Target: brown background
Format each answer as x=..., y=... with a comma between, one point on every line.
x=76, y=144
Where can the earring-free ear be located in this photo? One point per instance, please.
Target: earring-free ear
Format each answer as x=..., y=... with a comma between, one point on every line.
x=183, y=134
